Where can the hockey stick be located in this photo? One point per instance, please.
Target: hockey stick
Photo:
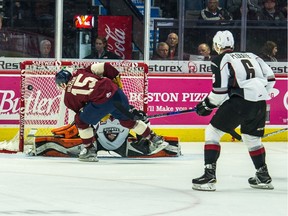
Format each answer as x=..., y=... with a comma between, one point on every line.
x=128, y=114
x=232, y=133
x=275, y=132
x=238, y=137
x=120, y=107
x=172, y=113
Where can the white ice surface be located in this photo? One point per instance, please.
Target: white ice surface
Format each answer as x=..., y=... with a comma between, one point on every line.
x=142, y=187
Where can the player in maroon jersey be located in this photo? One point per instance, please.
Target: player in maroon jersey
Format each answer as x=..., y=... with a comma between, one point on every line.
x=94, y=92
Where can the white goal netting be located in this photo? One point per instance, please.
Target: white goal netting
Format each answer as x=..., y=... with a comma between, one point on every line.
x=41, y=102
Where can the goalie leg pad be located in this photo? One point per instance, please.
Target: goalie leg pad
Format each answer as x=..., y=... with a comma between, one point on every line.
x=141, y=148
x=57, y=147
x=140, y=127
x=67, y=131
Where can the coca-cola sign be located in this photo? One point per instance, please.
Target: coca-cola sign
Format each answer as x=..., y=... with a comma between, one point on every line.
x=118, y=32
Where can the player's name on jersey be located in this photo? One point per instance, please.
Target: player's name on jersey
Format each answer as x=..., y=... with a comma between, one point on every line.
x=240, y=55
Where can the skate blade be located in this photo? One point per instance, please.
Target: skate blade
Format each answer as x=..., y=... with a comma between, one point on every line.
x=204, y=187
x=160, y=148
x=90, y=159
x=263, y=186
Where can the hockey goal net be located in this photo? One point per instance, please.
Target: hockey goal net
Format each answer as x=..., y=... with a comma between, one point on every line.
x=41, y=102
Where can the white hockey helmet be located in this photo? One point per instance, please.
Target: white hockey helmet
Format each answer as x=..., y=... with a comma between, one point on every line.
x=223, y=40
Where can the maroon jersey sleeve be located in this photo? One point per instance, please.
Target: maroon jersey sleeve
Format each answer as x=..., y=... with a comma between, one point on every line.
x=110, y=71
x=87, y=87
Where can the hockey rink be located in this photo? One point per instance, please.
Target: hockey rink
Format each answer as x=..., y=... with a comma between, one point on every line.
x=142, y=187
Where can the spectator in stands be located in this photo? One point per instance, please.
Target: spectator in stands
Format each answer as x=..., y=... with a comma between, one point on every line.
x=214, y=13
x=101, y=51
x=270, y=12
x=3, y=35
x=44, y=16
x=282, y=6
x=1, y=19
x=45, y=49
x=284, y=11
x=172, y=41
x=2, y=10
x=234, y=7
x=204, y=50
x=193, y=8
x=161, y=52
x=21, y=14
x=269, y=51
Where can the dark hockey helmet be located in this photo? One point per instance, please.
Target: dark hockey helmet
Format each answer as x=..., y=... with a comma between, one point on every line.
x=62, y=77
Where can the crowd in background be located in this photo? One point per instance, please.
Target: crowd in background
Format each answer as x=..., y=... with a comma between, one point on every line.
x=29, y=22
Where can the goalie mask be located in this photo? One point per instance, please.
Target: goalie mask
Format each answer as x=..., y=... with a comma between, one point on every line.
x=62, y=78
x=223, y=40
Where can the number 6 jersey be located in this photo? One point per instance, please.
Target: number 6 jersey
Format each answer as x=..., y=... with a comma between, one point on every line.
x=242, y=74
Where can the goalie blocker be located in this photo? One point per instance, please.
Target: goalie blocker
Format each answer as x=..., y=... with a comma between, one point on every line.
x=109, y=136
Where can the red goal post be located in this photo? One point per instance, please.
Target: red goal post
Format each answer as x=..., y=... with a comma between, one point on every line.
x=41, y=102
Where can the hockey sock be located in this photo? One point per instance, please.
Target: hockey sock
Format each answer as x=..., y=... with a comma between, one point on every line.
x=258, y=157
x=211, y=153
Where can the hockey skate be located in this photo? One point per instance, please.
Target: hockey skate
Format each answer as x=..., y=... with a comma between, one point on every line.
x=157, y=144
x=88, y=155
x=207, y=181
x=262, y=179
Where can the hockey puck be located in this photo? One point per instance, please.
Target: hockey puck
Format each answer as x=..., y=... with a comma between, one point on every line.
x=29, y=87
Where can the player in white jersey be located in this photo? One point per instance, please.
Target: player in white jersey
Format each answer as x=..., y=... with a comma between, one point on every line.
x=241, y=85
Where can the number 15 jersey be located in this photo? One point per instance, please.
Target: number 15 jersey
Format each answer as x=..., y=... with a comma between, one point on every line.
x=87, y=87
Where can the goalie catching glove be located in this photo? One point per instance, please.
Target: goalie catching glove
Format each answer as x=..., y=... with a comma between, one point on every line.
x=204, y=108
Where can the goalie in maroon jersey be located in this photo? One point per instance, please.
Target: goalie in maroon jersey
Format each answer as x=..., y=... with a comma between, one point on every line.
x=94, y=92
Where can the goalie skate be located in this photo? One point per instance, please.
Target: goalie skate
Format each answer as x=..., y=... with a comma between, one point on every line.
x=157, y=144
x=88, y=155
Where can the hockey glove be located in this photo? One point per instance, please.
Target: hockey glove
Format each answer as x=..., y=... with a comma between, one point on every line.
x=204, y=108
x=117, y=81
x=139, y=114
